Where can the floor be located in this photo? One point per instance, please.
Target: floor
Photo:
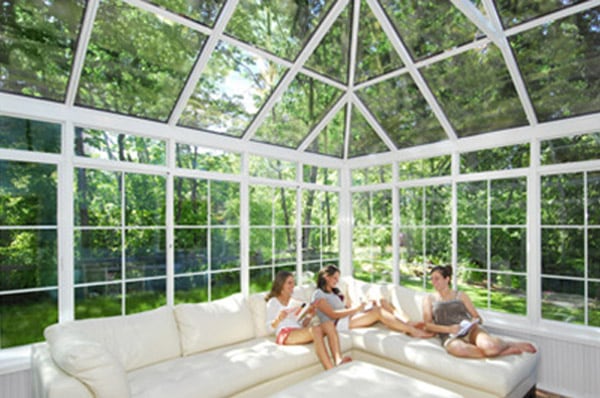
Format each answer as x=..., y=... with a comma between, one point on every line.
x=545, y=394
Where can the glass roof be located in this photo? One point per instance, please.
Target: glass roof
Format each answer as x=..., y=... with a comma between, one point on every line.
x=342, y=78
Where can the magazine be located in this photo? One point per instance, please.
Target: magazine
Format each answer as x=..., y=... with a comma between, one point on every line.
x=465, y=326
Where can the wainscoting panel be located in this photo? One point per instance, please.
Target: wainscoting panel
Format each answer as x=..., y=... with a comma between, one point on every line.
x=16, y=385
x=567, y=368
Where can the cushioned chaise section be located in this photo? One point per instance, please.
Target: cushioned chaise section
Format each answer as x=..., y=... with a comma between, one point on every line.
x=224, y=371
x=134, y=340
x=496, y=375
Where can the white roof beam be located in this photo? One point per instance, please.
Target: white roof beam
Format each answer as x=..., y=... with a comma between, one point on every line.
x=482, y=23
x=324, y=122
x=306, y=52
x=412, y=69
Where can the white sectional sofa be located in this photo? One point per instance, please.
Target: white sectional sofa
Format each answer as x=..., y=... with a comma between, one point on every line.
x=223, y=349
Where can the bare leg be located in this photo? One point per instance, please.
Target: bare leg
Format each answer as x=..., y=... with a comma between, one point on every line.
x=388, y=319
x=315, y=334
x=334, y=342
x=493, y=346
x=459, y=348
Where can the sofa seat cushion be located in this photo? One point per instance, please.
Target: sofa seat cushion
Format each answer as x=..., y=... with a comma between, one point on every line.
x=135, y=340
x=495, y=375
x=223, y=371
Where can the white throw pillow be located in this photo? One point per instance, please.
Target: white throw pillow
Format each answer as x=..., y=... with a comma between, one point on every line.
x=411, y=301
x=92, y=364
x=258, y=307
x=205, y=326
x=136, y=340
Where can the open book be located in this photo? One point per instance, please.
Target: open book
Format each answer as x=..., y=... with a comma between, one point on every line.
x=465, y=326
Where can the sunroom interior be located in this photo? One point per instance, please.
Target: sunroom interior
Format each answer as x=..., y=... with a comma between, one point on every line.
x=169, y=151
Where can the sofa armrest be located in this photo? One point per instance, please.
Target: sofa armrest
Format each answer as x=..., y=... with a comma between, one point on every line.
x=49, y=381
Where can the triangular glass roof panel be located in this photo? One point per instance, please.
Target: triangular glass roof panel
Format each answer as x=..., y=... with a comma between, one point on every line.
x=515, y=12
x=330, y=141
x=429, y=27
x=332, y=55
x=559, y=64
x=232, y=88
x=401, y=110
x=363, y=138
x=204, y=11
x=301, y=107
x=375, y=54
x=136, y=63
x=37, y=42
x=476, y=91
x=279, y=27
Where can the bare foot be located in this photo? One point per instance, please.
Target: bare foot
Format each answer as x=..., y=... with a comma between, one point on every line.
x=526, y=347
x=346, y=359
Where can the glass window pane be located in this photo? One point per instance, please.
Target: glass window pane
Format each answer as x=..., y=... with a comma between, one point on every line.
x=330, y=141
x=145, y=199
x=438, y=204
x=472, y=248
x=205, y=11
x=23, y=317
x=98, y=255
x=472, y=203
x=199, y=158
x=474, y=283
x=372, y=175
x=285, y=245
x=272, y=168
x=438, y=247
x=27, y=193
x=280, y=27
x=594, y=253
x=305, y=102
x=190, y=201
x=97, y=197
x=562, y=300
x=375, y=54
x=593, y=199
x=191, y=250
x=508, y=294
x=516, y=12
x=425, y=25
x=191, y=289
x=321, y=175
x=224, y=203
x=412, y=266
x=331, y=56
x=284, y=206
x=509, y=249
x=425, y=168
x=508, y=201
x=28, y=258
x=224, y=248
x=562, y=199
x=261, y=246
x=570, y=149
x=476, y=91
x=563, y=252
x=363, y=139
x=102, y=144
x=381, y=203
x=145, y=254
x=502, y=158
x=98, y=301
x=223, y=284
x=136, y=62
x=38, y=45
x=594, y=304
x=401, y=110
x=145, y=295
x=559, y=62
x=231, y=90
x=29, y=135
x=411, y=206
x=261, y=280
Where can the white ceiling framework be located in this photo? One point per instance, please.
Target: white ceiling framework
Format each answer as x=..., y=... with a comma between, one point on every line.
x=354, y=111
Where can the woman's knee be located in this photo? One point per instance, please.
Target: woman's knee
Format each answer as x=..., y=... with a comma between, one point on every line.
x=491, y=347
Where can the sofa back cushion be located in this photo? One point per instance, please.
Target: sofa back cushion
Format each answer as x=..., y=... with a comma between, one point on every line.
x=204, y=326
x=134, y=340
x=409, y=300
x=358, y=290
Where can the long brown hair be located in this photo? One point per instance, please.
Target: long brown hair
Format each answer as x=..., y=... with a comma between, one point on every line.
x=278, y=283
x=328, y=270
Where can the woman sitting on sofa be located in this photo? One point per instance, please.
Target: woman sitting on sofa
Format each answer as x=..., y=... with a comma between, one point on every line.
x=282, y=316
x=331, y=307
x=452, y=315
